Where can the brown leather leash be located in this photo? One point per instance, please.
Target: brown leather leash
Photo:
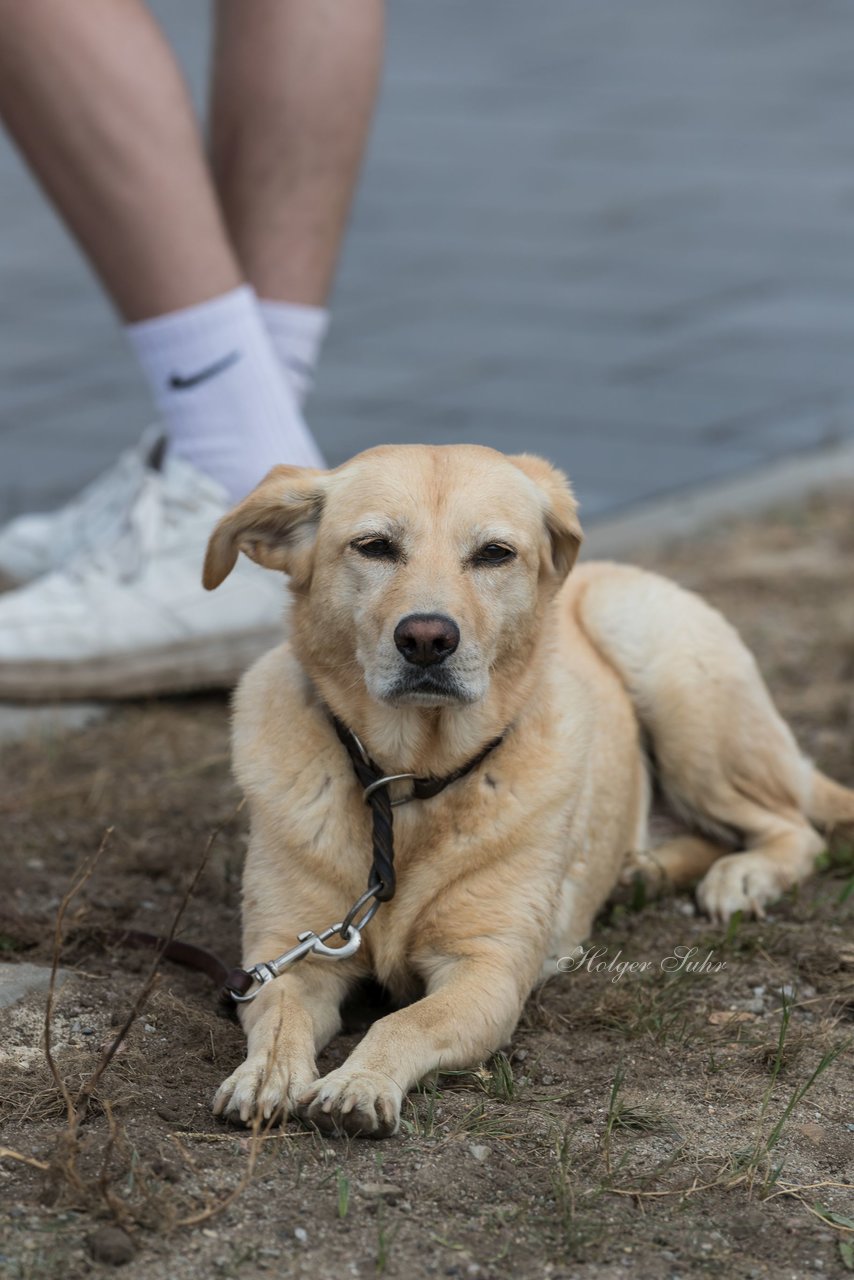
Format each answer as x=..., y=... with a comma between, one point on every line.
x=236, y=984
x=187, y=954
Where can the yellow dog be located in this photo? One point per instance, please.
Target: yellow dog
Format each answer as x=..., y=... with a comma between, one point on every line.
x=433, y=612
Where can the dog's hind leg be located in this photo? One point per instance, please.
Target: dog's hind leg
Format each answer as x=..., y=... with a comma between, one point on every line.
x=773, y=862
x=676, y=864
x=726, y=762
x=831, y=806
x=783, y=845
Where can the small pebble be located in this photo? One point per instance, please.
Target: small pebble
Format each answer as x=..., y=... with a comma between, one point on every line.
x=380, y=1190
x=479, y=1152
x=301, y=1235
x=111, y=1245
x=166, y=1169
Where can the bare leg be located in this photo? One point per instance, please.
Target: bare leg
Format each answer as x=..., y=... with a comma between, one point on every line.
x=95, y=101
x=293, y=92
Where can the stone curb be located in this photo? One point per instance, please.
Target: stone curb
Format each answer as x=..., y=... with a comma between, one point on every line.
x=749, y=495
x=648, y=525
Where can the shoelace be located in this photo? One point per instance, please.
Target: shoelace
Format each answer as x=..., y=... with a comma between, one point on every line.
x=94, y=513
x=99, y=510
x=143, y=526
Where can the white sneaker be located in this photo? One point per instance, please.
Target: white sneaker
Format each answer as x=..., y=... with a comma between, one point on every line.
x=38, y=543
x=132, y=618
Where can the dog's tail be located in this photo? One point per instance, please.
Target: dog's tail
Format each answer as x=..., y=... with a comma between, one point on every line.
x=830, y=805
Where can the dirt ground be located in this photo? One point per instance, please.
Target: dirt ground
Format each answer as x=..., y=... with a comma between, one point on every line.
x=659, y=1122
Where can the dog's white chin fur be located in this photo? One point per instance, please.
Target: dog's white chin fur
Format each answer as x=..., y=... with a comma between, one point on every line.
x=457, y=694
x=417, y=698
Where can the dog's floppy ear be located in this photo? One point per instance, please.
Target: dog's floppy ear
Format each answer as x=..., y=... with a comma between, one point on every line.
x=560, y=510
x=275, y=526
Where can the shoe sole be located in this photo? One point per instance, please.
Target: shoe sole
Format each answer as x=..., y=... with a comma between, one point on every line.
x=176, y=668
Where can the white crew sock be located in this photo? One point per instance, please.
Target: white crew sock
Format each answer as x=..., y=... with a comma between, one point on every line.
x=227, y=407
x=296, y=333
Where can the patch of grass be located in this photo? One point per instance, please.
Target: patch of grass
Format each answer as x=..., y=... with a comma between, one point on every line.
x=343, y=1184
x=777, y=1058
x=657, y=1010
x=713, y=1066
x=574, y=1199
x=755, y=1164
x=385, y=1239
x=733, y=926
x=501, y=1084
x=9, y=943
x=837, y=861
x=483, y=1122
x=628, y=1117
x=495, y=1079
x=422, y=1118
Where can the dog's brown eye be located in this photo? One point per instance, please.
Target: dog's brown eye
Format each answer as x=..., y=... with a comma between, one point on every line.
x=376, y=548
x=494, y=553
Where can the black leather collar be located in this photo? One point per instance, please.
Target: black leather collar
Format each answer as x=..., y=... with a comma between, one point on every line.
x=375, y=783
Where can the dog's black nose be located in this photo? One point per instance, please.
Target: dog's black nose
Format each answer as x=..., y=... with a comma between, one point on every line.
x=426, y=638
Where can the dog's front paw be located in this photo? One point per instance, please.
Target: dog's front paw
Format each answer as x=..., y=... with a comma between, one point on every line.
x=352, y=1101
x=259, y=1089
x=745, y=882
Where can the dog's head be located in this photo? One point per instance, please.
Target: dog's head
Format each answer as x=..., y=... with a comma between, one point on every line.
x=421, y=571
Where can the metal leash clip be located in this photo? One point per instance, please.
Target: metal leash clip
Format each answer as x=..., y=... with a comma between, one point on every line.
x=309, y=944
x=314, y=944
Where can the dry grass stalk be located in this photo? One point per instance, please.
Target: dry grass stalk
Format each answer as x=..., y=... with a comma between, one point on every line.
x=63, y=1167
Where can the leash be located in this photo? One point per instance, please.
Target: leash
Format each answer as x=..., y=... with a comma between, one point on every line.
x=186, y=954
x=243, y=985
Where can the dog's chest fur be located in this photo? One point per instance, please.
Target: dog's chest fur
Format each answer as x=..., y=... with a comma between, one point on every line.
x=492, y=850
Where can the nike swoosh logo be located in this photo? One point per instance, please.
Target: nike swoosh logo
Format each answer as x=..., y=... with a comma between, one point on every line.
x=179, y=383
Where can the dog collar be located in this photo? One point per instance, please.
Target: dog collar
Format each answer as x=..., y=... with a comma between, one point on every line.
x=375, y=783
x=243, y=985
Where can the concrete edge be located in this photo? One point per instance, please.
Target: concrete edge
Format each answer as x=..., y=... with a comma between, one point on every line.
x=648, y=525
x=747, y=495
x=20, y=722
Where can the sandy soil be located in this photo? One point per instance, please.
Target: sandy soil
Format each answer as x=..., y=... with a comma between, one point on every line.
x=662, y=1123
